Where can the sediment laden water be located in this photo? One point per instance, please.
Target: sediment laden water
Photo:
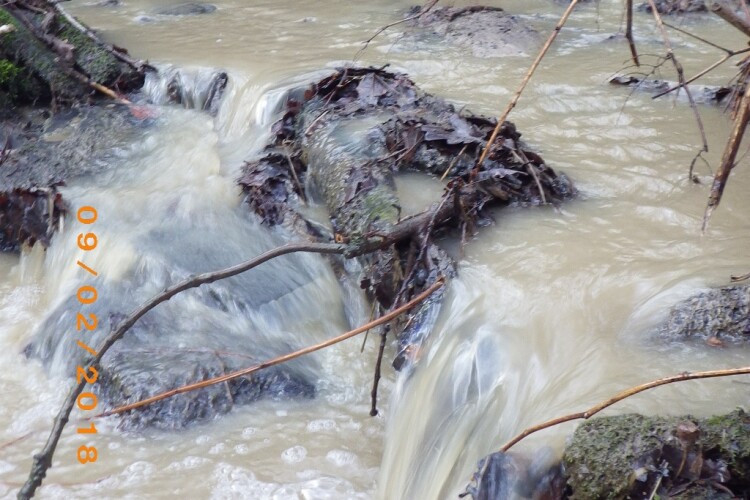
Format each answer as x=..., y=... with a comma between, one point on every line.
x=553, y=310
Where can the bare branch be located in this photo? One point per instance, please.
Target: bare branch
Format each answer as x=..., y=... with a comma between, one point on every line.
x=730, y=154
x=727, y=14
x=680, y=72
x=623, y=395
x=525, y=82
x=629, y=31
x=422, y=11
x=281, y=359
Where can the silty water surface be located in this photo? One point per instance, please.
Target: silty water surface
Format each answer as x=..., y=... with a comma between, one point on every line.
x=553, y=310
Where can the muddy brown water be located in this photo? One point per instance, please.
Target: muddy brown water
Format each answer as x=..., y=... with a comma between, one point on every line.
x=553, y=310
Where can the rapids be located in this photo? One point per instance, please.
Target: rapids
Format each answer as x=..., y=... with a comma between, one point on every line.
x=553, y=310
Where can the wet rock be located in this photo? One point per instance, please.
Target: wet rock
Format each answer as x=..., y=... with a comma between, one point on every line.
x=719, y=312
x=633, y=456
x=485, y=31
x=707, y=94
x=194, y=94
x=502, y=475
x=28, y=216
x=187, y=9
x=675, y=6
x=199, y=334
x=41, y=152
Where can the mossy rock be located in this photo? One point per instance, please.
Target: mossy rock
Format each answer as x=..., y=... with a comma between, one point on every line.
x=625, y=456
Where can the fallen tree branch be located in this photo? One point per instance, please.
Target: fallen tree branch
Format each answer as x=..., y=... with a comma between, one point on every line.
x=281, y=359
x=629, y=31
x=64, y=63
x=729, y=155
x=623, y=395
x=118, y=53
x=524, y=82
x=727, y=14
x=43, y=460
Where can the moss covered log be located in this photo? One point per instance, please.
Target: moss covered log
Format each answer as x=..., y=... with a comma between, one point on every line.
x=45, y=56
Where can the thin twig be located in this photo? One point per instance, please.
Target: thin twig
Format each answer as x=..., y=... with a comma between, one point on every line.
x=701, y=39
x=422, y=11
x=281, y=359
x=524, y=82
x=453, y=162
x=623, y=395
x=680, y=72
x=702, y=72
x=376, y=377
x=297, y=183
x=629, y=31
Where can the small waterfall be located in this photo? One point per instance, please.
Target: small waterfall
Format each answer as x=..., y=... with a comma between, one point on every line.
x=169, y=208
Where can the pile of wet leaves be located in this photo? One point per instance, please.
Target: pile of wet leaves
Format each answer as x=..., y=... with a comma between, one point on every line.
x=421, y=133
x=344, y=138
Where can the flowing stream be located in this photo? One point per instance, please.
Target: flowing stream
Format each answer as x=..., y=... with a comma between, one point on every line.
x=553, y=311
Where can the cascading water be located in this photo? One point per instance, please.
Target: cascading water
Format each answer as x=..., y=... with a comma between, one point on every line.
x=552, y=312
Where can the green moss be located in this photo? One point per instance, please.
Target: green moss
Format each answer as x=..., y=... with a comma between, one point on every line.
x=40, y=64
x=100, y=65
x=602, y=458
x=8, y=72
x=729, y=436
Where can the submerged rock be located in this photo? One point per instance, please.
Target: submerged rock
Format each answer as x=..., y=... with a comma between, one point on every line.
x=485, y=31
x=720, y=312
x=675, y=6
x=633, y=456
x=201, y=333
x=187, y=9
x=710, y=94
